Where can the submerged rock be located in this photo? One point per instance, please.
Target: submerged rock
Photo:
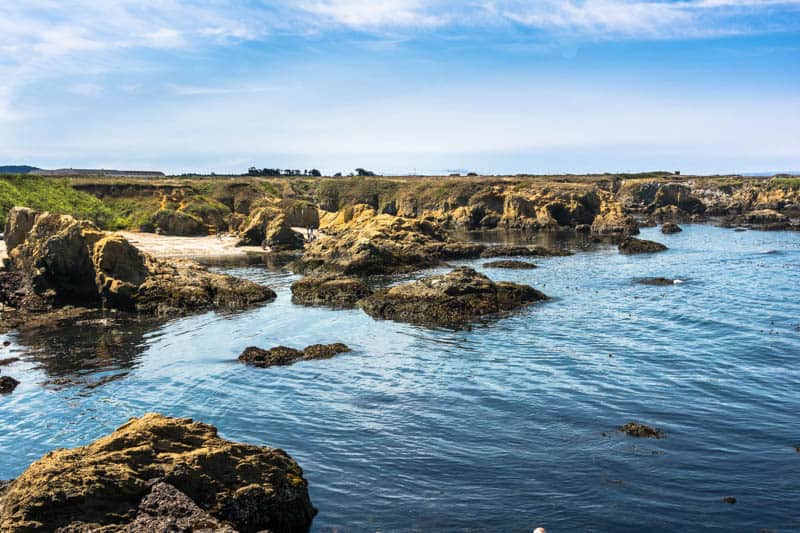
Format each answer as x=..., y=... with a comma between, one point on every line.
x=670, y=227
x=632, y=245
x=331, y=290
x=282, y=355
x=7, y=384
x=106, y=484
x=635, y=429
x=510, y=264
x=657, y=281
x=8, y=361
x=523, y=251
x=63, y=261
x=729, y=499
x=324, y=351
x=451, y=299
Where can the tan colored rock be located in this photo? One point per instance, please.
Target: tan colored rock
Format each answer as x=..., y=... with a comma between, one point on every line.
x=19, y=222
x=612, y=220
x=104, y=483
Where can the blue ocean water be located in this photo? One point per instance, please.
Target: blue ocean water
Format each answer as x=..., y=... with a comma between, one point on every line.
x=505, y=427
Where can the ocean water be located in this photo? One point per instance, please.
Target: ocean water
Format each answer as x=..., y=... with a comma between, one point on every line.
x=504, y=427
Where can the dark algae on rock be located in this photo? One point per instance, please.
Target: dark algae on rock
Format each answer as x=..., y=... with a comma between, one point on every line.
x=330, y=290
x=283, y=355
x=510, y=264
x=635, y=429
x=108, y=485
x=451, y=300
x=632, y=245
x=7, y=384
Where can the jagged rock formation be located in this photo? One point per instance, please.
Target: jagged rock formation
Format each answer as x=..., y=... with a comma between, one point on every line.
x=109, y=484
x=452, y=300
x=613, y=221
x=273, y=223
x=330, y=290
x=669, y=228
x=363, y=242
x=63, y=261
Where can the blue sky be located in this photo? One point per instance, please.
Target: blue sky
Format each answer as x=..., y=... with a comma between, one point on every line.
x=496, y=86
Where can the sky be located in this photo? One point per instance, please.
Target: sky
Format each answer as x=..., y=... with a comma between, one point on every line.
x=402, y=86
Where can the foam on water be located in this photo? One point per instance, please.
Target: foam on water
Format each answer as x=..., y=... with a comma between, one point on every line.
x=504, y=427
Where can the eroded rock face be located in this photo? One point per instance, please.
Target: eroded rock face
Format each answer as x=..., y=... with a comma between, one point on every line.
x=108, y=483
x=173, y=222
x=283, y=355
x=330, y=290
x=451, y=300
x=362, y=242
x=613, y=221
x=632, y=245
x=279, y=235
x=669, y=228
x=19, y=222
x=67, y=261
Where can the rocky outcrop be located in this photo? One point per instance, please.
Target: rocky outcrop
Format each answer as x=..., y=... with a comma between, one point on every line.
x=632, y=245
x=7, y=384
x=179, y=223
x=510, y=264
x=450, y=300
x=18, y=224
x=64, y=261
x=279, y=235
x=273, y=223
x=109, y=483
x=282, y=355
x=767, y=219
x=669, y=228
x=635, y=429
x=330, y=290
x=504, y=250
x=652, y=195
x=362, y=242
x=612, y=221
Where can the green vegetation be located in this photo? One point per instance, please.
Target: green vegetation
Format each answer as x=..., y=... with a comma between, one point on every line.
x=54, y=195
x=785, y=182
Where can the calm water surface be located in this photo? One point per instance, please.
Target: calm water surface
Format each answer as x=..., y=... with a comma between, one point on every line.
x=502, y=428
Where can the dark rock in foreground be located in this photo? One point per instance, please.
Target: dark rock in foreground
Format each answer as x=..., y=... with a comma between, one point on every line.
x=510, y=264
x=7, y=384
x=282, y=355
x=632, y=245
x=522, y=251
x=669, y=228
x=108, y=483
x=656, y=281
x=331, y=290
x=450, y=300
x=166, y=508
x=635, y=429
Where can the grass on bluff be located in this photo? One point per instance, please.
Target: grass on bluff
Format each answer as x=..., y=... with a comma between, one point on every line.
x=54, y=195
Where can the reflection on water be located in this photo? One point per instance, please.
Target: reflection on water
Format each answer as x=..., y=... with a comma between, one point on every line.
x=91, y=351
x=501, y=428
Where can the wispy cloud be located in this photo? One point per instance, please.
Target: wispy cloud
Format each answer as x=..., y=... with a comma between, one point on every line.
x=366, y=14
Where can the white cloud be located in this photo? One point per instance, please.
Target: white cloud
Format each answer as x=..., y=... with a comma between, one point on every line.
x=86, y=89
x=371, y=13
